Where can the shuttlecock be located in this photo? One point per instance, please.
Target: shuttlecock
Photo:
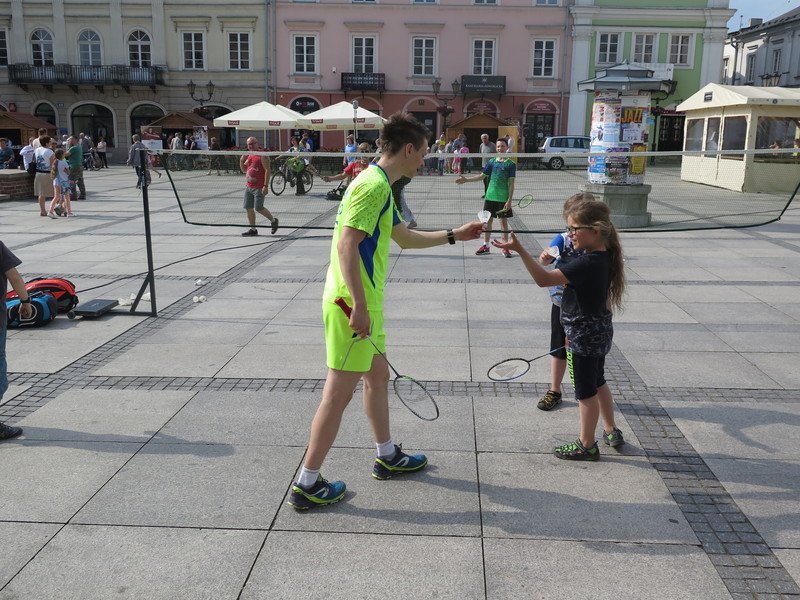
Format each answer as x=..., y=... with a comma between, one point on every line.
x=200, y=282
x=123, y=302
x=202, y=298
x=484, y=216
x=196, y=299
x=554, y=251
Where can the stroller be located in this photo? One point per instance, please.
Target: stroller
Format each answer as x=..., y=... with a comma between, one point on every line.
x=337, y=193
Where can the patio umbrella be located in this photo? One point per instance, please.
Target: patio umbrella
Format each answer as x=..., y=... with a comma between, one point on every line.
x=260, y=116
x=340, y=116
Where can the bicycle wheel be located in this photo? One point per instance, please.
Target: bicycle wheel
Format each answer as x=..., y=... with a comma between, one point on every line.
x=308, y=181
x=278, y=183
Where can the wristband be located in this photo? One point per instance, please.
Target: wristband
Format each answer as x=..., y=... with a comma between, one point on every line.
x=26, y=301
x=451, y=238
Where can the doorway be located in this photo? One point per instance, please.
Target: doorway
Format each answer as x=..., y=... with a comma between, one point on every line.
x=538, y=127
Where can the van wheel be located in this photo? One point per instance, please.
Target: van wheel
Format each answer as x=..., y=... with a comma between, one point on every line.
x=556, y=163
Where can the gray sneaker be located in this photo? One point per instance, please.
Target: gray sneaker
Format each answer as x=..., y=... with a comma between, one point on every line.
x=613, y=439
x=274, y=225
x=7, y=431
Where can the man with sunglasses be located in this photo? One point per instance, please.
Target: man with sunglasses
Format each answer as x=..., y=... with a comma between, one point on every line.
x=256, y=170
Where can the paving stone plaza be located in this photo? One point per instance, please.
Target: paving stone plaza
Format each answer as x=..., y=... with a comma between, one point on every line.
x=158, y=452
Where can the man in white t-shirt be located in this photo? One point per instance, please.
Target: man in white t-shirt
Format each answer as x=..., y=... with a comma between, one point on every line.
x=27, y=153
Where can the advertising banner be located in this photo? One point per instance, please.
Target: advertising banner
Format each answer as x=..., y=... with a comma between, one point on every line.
x=151, y=136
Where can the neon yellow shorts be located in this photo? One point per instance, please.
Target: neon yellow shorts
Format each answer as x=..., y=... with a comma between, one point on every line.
x=344, y=352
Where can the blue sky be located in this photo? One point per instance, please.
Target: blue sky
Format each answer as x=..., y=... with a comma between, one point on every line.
x=764, y=9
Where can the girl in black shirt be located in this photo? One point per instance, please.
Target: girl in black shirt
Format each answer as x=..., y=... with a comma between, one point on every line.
x=594, y=283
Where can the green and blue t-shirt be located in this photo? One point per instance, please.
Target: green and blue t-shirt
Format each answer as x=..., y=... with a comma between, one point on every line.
x=367, y=206
x=499, y=171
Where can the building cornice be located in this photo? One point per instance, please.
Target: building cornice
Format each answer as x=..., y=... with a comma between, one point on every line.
x=425, y=27
x=237, y=23
x=303, y=24
x=191, y=22
x=484, y=27
x=364, y=25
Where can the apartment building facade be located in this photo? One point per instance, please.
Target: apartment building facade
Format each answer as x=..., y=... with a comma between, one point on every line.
x=680, y=40
x=764, y=53
x=108, y=67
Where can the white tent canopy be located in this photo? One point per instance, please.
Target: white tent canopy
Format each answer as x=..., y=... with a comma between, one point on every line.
x=338, y=117
x=714, y=95
x=261, y=116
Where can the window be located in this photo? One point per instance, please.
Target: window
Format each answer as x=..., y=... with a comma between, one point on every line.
x=482, y=57
x=238, y=51
x=363, y=1
x=364, y=54
x=694, y=135
x=608, y=48
x=3, y=48
x=139, y=49
x=776, y=61
x=777, y=132
x=42, y=47
x=643, y=45
x=750, y=68
x=546, y=2
x=493, y=2
x=424, y=56
x=734, y=134
x=712, y=134
x=544, y=58
x=305, y=54
x=424, y=1
x=89, y=48
x=679, y=49
x=725, y=62
x=193, y=50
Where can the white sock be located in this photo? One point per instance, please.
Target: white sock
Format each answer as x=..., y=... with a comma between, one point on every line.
x=386, y=449
x=308, y=477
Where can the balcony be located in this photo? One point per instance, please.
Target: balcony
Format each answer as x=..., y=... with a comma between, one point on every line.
x=364, y=82
x=78, y=75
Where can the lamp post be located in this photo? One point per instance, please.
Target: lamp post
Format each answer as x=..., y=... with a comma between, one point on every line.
x=355, y=125
x=192, y=87
x=445, y=109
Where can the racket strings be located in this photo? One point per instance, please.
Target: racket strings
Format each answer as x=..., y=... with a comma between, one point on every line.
x=416, y=398
x=509, y=369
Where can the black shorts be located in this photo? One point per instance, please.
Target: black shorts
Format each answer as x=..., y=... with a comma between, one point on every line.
x=586, y=373
x=557, y=335
x=493, y=207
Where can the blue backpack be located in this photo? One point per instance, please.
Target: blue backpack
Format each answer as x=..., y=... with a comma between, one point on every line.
x=44, y=306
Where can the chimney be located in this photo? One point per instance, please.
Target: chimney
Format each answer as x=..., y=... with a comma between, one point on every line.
x=754, y=22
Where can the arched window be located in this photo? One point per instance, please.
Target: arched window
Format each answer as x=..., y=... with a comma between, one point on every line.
x=42, y=47
x=95, y=120
x=89, y=48
x=45, y=112
x=139, y=49
x=144, y=114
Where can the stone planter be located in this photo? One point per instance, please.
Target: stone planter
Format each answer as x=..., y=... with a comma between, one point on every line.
x=15, y=184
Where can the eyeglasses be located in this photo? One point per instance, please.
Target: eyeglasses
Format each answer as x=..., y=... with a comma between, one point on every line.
x=572, y=229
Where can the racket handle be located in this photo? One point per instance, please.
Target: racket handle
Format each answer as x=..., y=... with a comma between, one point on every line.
x=341, y=303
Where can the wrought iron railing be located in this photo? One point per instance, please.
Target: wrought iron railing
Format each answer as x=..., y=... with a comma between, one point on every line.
x=85, y=75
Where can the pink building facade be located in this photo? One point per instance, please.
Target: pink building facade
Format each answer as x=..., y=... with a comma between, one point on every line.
x=510, y=59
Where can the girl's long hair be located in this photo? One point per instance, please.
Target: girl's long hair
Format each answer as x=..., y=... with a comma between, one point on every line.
x=597, y=214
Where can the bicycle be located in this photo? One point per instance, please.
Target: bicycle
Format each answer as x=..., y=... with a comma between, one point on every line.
x=282, y=174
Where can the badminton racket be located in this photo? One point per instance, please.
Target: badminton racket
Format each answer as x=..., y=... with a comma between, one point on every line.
x=411, y=392
x=514, y=368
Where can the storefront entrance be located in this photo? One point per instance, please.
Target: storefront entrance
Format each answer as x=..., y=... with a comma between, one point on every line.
x=538, y=127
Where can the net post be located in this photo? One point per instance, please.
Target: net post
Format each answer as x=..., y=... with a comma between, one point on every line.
x=150, y=278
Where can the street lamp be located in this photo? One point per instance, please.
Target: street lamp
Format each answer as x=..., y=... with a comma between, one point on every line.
x=355, y=125
x=192, y=87
x=445, y=109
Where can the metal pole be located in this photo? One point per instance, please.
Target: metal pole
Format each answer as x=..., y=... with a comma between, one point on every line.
x=355, y=125
x=150, y=279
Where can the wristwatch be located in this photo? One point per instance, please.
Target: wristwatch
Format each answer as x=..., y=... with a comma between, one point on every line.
x=451, y=238
x=26, y=301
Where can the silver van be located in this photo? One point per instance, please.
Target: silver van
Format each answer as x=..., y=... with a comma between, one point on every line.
x=560, y=144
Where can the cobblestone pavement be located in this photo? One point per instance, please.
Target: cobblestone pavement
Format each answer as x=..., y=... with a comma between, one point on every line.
x=711, y=336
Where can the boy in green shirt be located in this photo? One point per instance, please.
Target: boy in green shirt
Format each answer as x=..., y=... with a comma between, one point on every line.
x=500, y=172
x=357, y=273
